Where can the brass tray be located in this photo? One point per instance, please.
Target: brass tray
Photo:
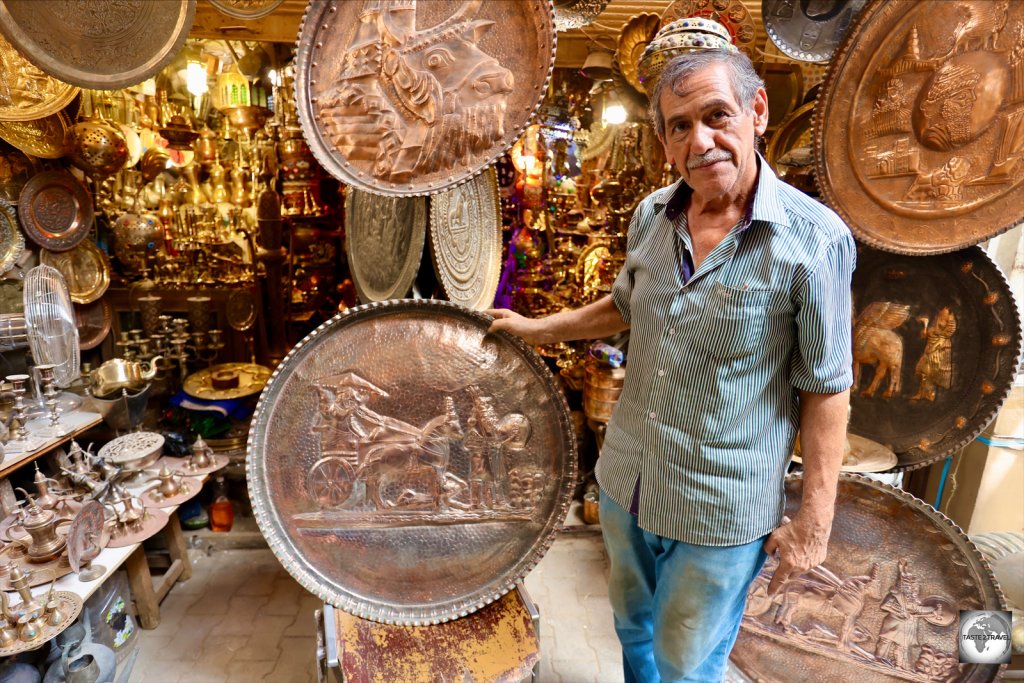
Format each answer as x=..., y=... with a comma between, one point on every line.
x=246, y=9
x=936, y=346
x=793, y=133
x=415, y=98
x=55, y=210
x=70, y=607
x=408, y=467
x=11, y=241
x=251, y=380
x=26, y=93
x=384, y=242
x=805, y=32
x=634, y=37
x=729, y=13
x=85, y=268
x=465, y=241
x=93, y=321
x=570, y=14
x=918, y=126
x=112, y=45
x=42, y=137
x=895, y=568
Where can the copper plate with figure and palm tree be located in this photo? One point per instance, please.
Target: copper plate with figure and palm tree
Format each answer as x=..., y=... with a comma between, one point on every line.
x=883, y=606
x=936, y=347
x=408, y=467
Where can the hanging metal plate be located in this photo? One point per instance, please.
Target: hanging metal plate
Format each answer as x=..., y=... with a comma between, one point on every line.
x=808, y=31
x=384, y=242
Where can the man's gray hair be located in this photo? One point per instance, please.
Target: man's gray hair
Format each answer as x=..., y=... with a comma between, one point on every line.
x=744, y=79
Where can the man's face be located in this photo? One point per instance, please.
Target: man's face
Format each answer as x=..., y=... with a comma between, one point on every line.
x=709, y=135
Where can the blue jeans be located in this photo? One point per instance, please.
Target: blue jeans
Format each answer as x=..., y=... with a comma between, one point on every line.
x=677, y=606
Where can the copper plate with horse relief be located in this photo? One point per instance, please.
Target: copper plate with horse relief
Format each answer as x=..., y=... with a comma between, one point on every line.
x=408, y=467
x=882, y=608
x=919, y=129
x=415, y=96
x=384, y=243
x=936, y=347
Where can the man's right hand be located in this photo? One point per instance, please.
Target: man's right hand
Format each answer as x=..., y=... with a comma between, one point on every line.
x=532, y=330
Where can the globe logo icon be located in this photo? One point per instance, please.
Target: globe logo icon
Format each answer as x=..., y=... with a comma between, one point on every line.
x=984, y=637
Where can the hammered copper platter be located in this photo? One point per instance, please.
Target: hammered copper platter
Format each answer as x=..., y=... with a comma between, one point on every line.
x=936, y=346
x=883, y=606
x=42, y=137
x=26, y=93
x=384, y=243
x=408, y=467
x=412, y=98
x=806, y=31
x=919, y=130
x=465, y=241
x=11, y=241
x=100, y=45
x=85, y=268
x=55, y=210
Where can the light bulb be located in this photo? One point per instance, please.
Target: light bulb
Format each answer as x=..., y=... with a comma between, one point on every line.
x=195, y=79
x=614, y=114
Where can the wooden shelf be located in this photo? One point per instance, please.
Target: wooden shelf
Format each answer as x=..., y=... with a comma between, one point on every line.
x=15, y=460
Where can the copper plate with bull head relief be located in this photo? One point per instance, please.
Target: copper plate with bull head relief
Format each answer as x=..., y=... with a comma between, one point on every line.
x=884, y=605
x=919, y=129
x=408, y=467
x=384, y=239
x=936, y=346
x=410, y=97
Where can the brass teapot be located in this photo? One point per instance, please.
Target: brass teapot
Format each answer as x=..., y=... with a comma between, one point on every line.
x=117, y=374
x=170, y=483
x=43, y=543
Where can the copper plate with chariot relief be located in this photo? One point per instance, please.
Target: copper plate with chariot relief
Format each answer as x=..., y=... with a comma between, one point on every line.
x=384, y=239
x=408, y=467
x=936, y=346
x=919, y=128
x=883, y=607
x=413, y=97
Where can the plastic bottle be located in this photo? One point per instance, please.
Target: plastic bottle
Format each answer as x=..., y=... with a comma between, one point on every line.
x=222, y=512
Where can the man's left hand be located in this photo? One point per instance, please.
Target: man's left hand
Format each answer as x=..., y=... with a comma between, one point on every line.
x=801, y=544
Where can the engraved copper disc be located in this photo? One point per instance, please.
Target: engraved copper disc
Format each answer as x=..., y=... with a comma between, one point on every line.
x=936, y=346
x=919, y=130
x=465, y=241
x=882, y=607
x=410, y=98
x=246, y=9
x=26, y=93
x=570, y=14
x=42, y=138
x=806, y=31
x=85, y=268
x=730, y=13
x=408, y=467
x=94, y=321
x=101, y=45
x=11, y=241
x=55, y=210
x=384, y=242
x=86, y=536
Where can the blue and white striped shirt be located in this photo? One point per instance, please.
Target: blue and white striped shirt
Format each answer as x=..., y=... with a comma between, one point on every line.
x=709, y=410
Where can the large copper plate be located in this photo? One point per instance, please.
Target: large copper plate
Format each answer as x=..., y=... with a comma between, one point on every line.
x=55, y=210
x=85, y=268
x=808, y=31
x=94, y=321
x=936, y=346
x=732, y=14
x=11, y=241
x=246, y=9
x=42, y=138
x=883, y=606
x=251, y=380
x=26, y=93
x=465, y=241
x=570, y=14
x=415, y=97
x=384, y=242
x=408, y=467
x=100, y=45
x=919, y=130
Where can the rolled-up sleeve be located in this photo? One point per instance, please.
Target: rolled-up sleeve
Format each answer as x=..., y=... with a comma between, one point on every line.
x=822, y=361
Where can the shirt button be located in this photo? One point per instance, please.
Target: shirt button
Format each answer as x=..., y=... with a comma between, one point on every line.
x=671, y=331
x=661, y=373
x=653, y=415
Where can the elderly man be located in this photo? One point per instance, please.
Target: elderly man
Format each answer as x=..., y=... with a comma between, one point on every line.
x=736, y=289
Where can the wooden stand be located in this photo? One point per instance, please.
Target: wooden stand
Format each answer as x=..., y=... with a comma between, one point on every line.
x=148, y=596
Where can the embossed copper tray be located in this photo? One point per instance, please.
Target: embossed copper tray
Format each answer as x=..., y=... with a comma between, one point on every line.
x=413, y=98
x=882, y=607
x=87, y=535
x=42, y=137
x=11, y=241
x=55, y=210
x=465, y=241
x=112, y=45
x=246, y=9
x=384, y=242
x=408, y=467
x=917, y=129
x=806, y=32
x=85, y=268
x=936, y=346
x=27, y=93
x=93, y=321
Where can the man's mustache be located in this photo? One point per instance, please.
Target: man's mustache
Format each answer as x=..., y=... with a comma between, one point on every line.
x=709, y=157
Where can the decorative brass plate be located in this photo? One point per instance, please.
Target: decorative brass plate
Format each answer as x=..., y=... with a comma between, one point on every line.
x=413, y=98
x=465, y=241
x=15, y=170
x=41, y=572
x=730, y=13
x=42, y=138
x=936, y=346
x=26, y=93
x=55, y=210
x=918, y=125
x=570, y=14
x=808, y=32
x=638, y=32
x=94, y=321
x=85, y=268
x=384, y=243
x=784, y=85
x=793, y=133
x=181, y=465
x=883, y=606
x=251, y=380
x=100, y=45
x=246, y=9
x=408, y=467
x=11, y=241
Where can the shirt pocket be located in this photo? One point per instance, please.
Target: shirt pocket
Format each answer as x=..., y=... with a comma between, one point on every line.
x=733, y=321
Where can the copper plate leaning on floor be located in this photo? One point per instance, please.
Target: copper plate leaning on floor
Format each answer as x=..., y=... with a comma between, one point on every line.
x=408, y=467
x=43, y=137
x=384, y=242
x=883, y=606
x=936, y=347
x=85, y=268
x=412, y=98
x=919, y=127
x=11, y=241
x=246, y=9
x=112, y=45
x=55, y=210
x=28, y=93
x=806, y=34
x=465, y=241
x=570, y=14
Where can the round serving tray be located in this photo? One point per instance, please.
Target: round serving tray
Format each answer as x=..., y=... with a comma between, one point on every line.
x=55, y=210
x=408, y=467
x=85, y=268
x=251, y=380
x=93, y=321
x=43, y=138
x=808, y=33
x=384, y=243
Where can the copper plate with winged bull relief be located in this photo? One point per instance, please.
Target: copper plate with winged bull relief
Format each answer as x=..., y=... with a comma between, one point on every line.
x=407, y=97
x=936, y=345
x=408, y=467
x=919, y=129
x=384, y=242
x=882, y=608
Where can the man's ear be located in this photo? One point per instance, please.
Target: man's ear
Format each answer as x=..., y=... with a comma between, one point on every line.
x=760, y=107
